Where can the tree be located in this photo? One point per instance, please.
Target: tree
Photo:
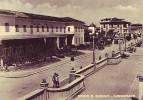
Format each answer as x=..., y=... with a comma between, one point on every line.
x=110, y=34
x=101, y=35
x=86, y=35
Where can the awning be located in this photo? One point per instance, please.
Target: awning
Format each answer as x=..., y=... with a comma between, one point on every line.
x=13, y=37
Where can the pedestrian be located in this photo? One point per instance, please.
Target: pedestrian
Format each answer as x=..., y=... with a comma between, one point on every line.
x=113, y=53
x=54, y=80
x=57, y=80
x=80, y=67
x=6, y=68
x=100, y=57
x=106, y=55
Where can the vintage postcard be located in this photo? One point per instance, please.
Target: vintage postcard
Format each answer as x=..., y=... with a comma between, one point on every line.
x=71, y=50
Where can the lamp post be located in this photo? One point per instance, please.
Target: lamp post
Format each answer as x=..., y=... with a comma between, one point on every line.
x=125, y=42
x=120, y=46
x=93, y=62
x=93, y=51
x=120, y=42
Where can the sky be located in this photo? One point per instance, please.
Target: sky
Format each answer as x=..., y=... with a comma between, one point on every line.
x=85, y=10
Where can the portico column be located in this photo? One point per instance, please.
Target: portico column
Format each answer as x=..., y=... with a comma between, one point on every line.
x=74, y=40
x=127, y=28
x=65, y=40
x=58, y=45
x=1, y=61
x=108, y=26
x=122, y=29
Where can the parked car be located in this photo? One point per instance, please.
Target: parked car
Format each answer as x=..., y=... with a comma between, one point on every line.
x=124, y=55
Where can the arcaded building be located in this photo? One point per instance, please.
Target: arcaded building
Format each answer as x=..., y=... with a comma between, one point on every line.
x=26, y=37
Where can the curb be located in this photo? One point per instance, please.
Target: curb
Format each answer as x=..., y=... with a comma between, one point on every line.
x=30, y=74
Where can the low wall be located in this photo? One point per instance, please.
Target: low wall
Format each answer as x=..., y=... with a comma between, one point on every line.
x=68, y=90
x=101, y=63
x=64, y=81
x=114, y=60
x=86, y=70
x=63, y=93
x=91, y=68
x=38, y=94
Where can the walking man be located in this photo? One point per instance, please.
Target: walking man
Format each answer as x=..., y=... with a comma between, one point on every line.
x=54, y=80
x=57, y=80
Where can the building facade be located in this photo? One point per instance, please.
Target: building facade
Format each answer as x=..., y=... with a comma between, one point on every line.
x=26, y=37
x=137, y=29
x=120, y=26
x=92, y=28
x=88, y=30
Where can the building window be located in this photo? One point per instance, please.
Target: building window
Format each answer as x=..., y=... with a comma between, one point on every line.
x=64, y=30
x=111, y=26
x=68, y=29
x=60, y=29
x=37, y=28
x=47, y=28
x=103, y=25
x=24, y=28
x=75, y=29
x=7, y=27
x=81, y=29
x=42, y=28
x=31, y=29
x=124, y=25
x=56, y=29
x=115, y=26
x=52, y=29
x=16, y=28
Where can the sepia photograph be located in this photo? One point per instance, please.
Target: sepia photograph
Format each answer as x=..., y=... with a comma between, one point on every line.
x=71, y=50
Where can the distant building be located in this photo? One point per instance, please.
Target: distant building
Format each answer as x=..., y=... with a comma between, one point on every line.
x=136, y=29
x=92, y=28
x=26, y=37
x=120, y=26
x=98, y=29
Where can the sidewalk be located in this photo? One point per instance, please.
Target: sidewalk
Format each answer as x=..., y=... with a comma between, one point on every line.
x=29, y=72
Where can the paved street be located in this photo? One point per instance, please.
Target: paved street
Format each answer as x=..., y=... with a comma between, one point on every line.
x=115, y=80
x=13, y=88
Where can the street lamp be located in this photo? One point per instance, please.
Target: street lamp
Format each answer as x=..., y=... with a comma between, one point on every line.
x=93, y=62
x=119, y=45
x=125, y=42
x=134, y=36
x=120, y=41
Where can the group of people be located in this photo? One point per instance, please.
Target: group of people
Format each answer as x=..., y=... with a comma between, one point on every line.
x=55, y=80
